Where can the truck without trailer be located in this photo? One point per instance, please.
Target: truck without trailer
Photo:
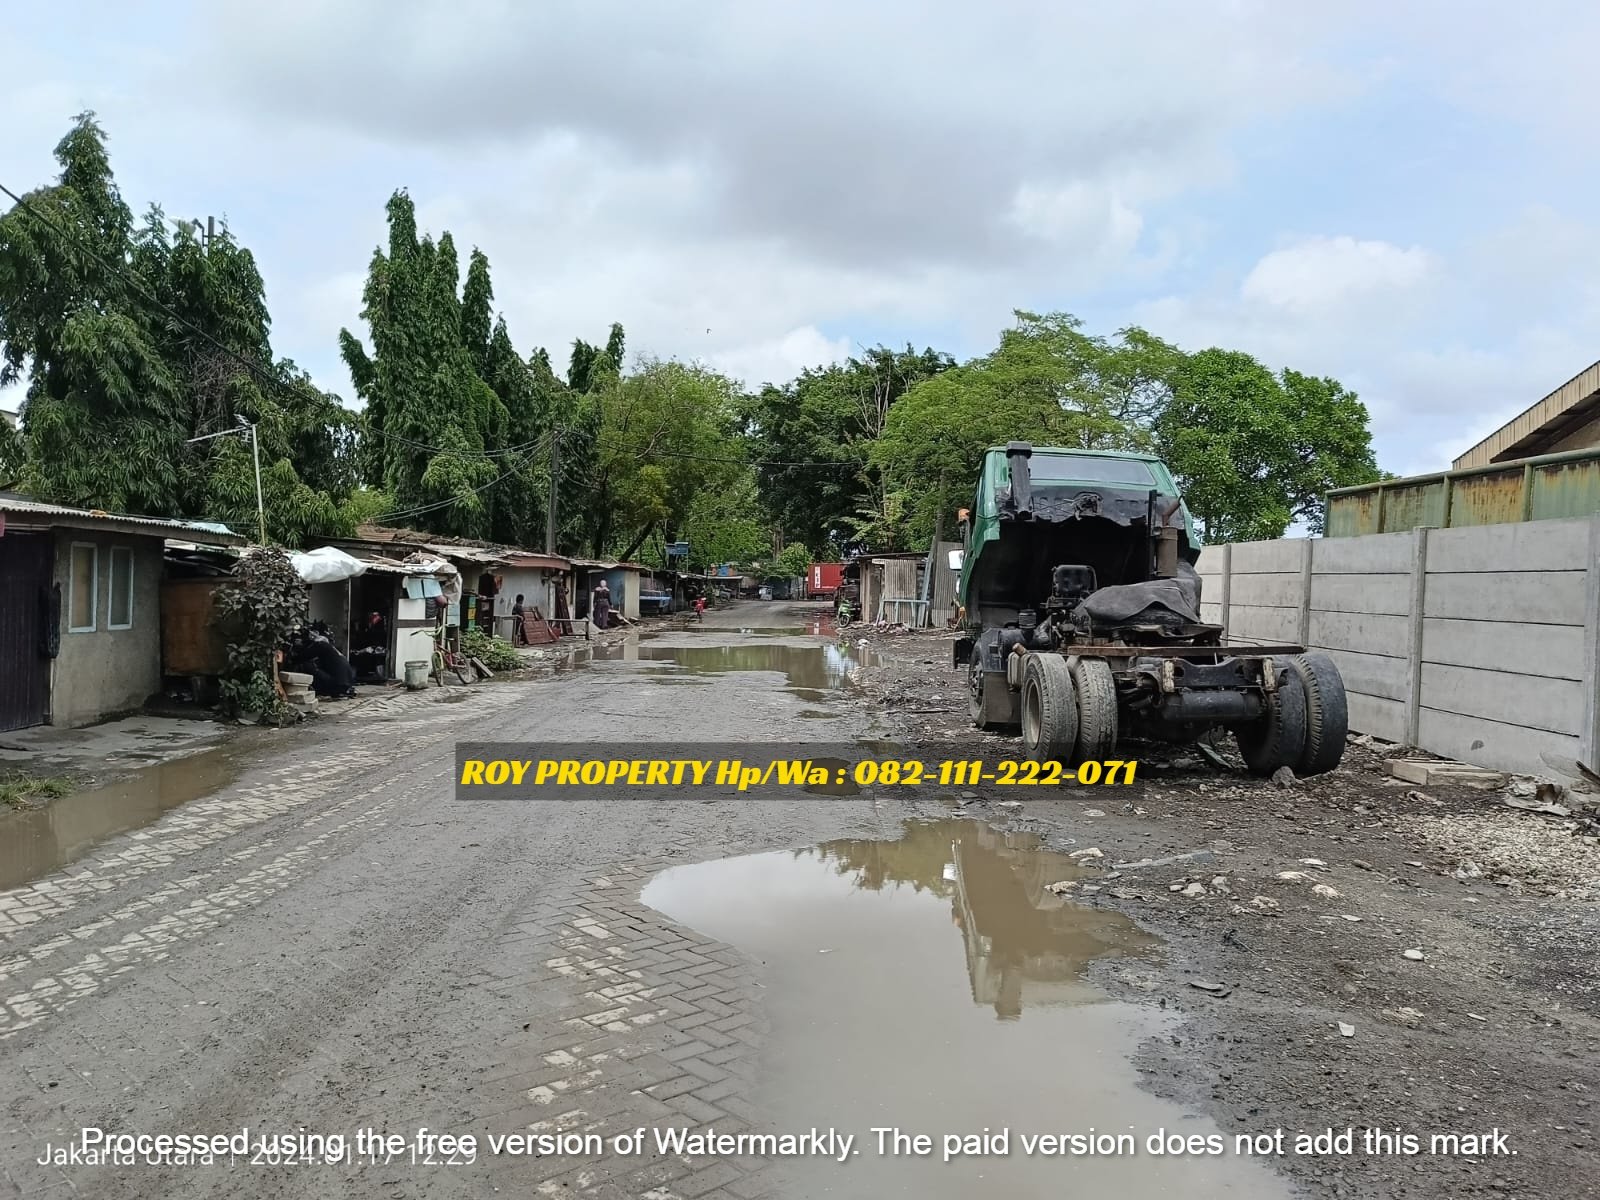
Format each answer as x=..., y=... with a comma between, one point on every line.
x=1082, y=625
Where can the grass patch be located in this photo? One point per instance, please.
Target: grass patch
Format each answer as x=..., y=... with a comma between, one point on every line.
x=21, y=790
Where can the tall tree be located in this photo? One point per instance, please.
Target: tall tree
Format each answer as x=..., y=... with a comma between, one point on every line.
x=831, y=415
x=1046, y=382
x=446, y=455
x=1255, y=452
x=102, y=316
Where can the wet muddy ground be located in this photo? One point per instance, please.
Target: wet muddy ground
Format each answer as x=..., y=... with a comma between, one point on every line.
x=1362, y=968
x=955, y=962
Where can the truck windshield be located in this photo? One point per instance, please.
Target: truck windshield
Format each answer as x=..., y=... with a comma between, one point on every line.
x=1063, y=468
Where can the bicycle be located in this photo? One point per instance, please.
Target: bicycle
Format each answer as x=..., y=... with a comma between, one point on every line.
x=446, y=658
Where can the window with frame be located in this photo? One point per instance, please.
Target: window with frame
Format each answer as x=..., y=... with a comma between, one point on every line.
x=84, y=586
x=119, y=613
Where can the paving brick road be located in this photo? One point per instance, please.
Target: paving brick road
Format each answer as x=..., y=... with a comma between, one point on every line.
x=336, y=943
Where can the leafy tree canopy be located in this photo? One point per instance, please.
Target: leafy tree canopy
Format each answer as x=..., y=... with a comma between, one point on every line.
x=98, y=320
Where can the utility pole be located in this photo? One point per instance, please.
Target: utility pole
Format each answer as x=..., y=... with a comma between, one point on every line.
x=255, y=455
x=550, y=509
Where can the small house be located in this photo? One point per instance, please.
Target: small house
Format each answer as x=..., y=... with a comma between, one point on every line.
x=81, y=610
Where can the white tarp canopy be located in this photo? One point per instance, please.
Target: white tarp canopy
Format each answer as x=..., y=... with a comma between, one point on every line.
x=327, y=565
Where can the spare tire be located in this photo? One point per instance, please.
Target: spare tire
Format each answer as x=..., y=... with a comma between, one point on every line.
x=1278, y=737
x=1327, y=713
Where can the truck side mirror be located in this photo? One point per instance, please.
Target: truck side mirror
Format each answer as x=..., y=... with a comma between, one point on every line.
x=956, y=559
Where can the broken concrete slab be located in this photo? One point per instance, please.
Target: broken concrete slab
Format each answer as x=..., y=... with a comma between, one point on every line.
x=1429, y=773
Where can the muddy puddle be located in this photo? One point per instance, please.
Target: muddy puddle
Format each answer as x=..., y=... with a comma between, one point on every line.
x=38, y=841
x=810, y=671
x=933, y=984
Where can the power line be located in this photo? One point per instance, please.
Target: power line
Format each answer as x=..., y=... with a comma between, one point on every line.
x=734, y=462
x=126, y=276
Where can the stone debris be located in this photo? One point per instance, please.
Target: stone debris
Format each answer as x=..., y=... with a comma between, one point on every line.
x=1544, y=857
x=1346, y=1030
x=1442, y=772
x=1415, y=955
x=1090, y=852
x=1062, y=886
x=1283, y=777
x=1195, y=889
x=1264, y=904
x=1326, y=892
x=1294, y=877
x=1197, y=856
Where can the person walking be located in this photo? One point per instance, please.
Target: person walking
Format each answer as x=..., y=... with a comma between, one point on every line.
x=600, y=610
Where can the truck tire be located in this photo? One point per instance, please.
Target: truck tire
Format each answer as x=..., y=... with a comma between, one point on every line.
x=1327, y=713
x=1097, y=710
x=975, y=699
x=1049, y=709
x=1278, y=737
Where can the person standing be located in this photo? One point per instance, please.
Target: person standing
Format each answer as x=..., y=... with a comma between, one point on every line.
x=600, y=609
x=519, y=635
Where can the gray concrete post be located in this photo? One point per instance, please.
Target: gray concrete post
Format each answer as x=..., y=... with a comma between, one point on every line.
x=1305, y=592
x=1227, y=587
x=1419, y=597
x=1589, y=731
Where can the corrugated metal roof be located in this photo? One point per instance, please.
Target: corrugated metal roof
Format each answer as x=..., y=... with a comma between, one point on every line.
x=99, y=517
x=530, y=561
x=1580, y=388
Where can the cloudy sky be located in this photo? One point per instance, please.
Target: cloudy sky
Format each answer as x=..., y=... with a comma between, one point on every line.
x=1396, y=194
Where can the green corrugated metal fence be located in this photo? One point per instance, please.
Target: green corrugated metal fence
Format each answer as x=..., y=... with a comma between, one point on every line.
x=1529, y=489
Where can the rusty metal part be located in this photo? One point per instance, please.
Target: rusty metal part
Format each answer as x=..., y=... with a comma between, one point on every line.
x=1120, y=650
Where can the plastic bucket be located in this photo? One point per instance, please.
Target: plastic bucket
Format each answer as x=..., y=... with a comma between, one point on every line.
x=417, y=675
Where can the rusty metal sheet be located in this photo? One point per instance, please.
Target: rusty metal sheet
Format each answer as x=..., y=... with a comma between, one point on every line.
x=1352, y=515
x=1569, y=489
x=1489, y=499
x=1406, y=506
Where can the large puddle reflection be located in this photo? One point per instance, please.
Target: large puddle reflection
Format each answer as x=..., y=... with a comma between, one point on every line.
x=934, y=984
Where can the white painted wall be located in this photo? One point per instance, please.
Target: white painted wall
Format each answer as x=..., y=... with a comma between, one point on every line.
x=1478, y=643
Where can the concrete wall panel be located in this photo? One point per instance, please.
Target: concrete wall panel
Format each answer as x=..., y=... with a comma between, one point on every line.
x=1376, y=554
x=1492, y=744
x=1369, y=633
x=1385, y=595
x=1532, y=546
x=1256, y=558
x=1552, y=705
x=1547, y=651
x=1372, y=674
x=1527, y=597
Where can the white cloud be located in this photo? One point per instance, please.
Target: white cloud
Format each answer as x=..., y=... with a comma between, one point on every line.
x=769, y=171
x=781, y=359
x=1319, y=274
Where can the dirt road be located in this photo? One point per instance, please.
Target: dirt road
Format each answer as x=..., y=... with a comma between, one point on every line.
x=1373, y=955
x=329, y=941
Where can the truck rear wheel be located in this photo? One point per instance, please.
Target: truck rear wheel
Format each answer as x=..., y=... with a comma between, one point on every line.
x=977, y=703
x=1327, y=713
x=1097, y=709
x=1049, y=709
x=1278, y=737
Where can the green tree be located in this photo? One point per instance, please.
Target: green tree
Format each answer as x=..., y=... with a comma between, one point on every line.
x=656, y=439
x=830, y=415
x=1047, y=382
x=102, y=315
x=723, y=525
x=794, y=559
x=446, y=393
x=1254, y=452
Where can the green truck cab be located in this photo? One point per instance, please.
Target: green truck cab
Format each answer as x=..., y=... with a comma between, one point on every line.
x=1082, y=622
